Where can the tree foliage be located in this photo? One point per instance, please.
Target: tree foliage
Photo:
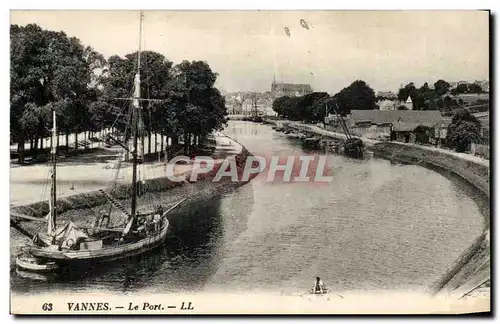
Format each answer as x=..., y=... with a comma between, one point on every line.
x=308, y=108
x=51, y=71
x=198, y=107
x=464, y=129
x=358, y=95
x=408, y=90
x=474, y=88
x=441, y=87
x=191, y=104
x=313, y=106
x=423, y=134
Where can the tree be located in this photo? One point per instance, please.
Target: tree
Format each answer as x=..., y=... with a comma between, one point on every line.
x=449, y=102
x=409, y=90
x=461, y=88
x=423, y=134
x=280, y=104
x=308, y=108
x=474, y=88
x=441, y=87
x=288, y=107
x=425, y=98
x=198, y=106
x=420, y=98
x=464, y=129
x=312, y=106
x=49, y=71
x=358, y=95
x=424, y=88
x=440, y=103
x=118, y=82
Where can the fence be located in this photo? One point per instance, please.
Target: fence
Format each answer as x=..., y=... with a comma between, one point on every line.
x=480, y=149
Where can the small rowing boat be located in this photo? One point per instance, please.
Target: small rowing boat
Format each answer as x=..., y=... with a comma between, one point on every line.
x=31, y=263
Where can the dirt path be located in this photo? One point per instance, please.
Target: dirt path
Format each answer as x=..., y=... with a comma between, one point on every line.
x=89, y=172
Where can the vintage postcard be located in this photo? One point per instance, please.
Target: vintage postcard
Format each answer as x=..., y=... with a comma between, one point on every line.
x=249, y=162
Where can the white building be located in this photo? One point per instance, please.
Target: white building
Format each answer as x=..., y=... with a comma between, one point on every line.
x=395, y=104
x=387, y=104
x=408, y=103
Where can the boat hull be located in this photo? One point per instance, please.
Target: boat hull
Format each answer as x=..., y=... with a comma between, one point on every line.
x=66, y=257
x=32, y=264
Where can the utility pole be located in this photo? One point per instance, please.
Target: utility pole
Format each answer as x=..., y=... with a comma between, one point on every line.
x=326, y=115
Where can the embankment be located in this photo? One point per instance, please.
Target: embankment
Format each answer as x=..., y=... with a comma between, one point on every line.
x=473, y=265
x=477, y=174
x=474, y=173
x=120, y=192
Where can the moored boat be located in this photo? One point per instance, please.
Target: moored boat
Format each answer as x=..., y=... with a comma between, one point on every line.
x=353, y=147
x=31, y=263
x=69, y=243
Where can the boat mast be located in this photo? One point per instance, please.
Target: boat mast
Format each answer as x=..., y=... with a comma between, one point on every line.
x=135, y=117
x=53, y=194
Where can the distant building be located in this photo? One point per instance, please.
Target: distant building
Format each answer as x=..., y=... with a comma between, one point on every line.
x=386, y=104
x=484, y=84
x=246, y=102
x=394, y=104
x=454, y=85
x=408, y=103
x=376, y=117
x=280, y=89
x=398, y=125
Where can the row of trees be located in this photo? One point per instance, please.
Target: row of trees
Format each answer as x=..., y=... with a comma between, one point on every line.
x=51, y=71
x=464, y=128
x=359, y=95
x=313, y=107
x=425, y=98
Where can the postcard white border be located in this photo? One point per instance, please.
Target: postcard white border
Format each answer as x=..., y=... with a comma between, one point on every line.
x=185, y=4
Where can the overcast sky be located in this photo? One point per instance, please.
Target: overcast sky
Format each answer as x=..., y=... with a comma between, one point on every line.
x=247, y=49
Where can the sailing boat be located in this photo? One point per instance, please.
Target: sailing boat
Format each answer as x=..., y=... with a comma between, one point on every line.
x=70, y=244
x=353, y=146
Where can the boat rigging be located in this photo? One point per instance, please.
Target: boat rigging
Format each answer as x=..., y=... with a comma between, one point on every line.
x=71, y=244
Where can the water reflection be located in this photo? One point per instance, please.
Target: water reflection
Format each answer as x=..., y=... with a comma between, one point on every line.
x=375, y=226
x=185, y=261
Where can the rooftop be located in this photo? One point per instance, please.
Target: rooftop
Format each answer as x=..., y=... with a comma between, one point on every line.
x=420, y=117
x=292, y=87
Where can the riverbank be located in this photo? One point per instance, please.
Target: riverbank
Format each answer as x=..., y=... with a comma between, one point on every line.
x=474, y=173
x=473, y=169
x=369, y=143
x=82, y=204
x=81, y=181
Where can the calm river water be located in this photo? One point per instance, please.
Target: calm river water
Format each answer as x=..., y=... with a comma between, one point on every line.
x=376, y=226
